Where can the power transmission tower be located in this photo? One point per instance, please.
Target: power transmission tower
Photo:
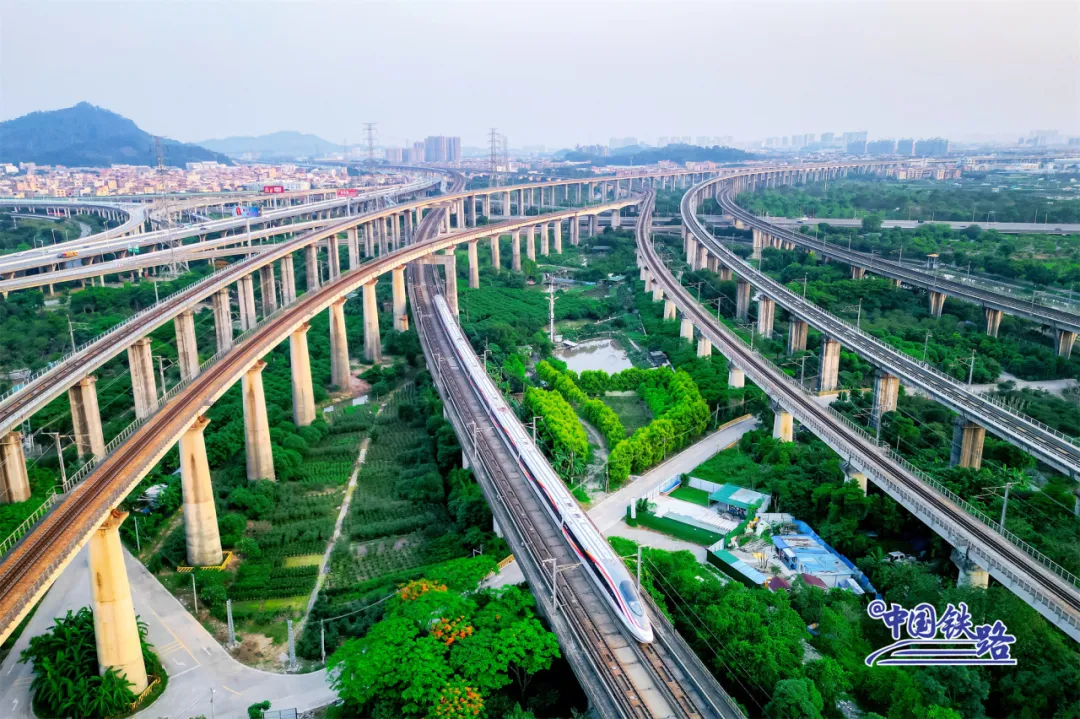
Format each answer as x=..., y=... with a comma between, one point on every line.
x=176, y=267
x=494, y=146
x=369, y=130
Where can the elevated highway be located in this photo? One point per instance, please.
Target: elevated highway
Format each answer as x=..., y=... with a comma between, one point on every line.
x=938, y=287
x=1047, y=587
x=1054, y=448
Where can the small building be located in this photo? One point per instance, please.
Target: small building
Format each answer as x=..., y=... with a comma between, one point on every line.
x=777, y=584
x=816, y=561
x=737, y=501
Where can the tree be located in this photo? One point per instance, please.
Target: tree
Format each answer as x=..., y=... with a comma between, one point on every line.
x=795, y=698
x=872, y=223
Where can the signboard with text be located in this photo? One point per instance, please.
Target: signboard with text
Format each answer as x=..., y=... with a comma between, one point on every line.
x=348, y=193
x=247, y=211
x=273, y=189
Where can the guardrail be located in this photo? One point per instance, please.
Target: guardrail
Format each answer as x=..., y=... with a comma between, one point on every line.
x=28, y=523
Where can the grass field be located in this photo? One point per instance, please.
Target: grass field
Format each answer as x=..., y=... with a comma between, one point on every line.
x=728, y=467
x=633, y=413
x=302, y=560
x=690, y=494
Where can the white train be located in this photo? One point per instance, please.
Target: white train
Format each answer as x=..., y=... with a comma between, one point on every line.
x=607, y=570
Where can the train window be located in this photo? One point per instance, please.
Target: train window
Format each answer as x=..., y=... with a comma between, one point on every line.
x=628, y=593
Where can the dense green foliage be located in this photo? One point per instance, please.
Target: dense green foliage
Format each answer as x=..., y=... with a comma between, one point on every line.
x=569, y=441
x=66, y=678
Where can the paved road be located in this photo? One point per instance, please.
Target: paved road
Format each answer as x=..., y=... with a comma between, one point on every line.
x=195, y=661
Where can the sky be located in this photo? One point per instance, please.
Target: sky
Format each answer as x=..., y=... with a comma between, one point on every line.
x=550, y=73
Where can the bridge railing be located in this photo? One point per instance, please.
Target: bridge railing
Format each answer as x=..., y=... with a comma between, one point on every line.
x=776, y=289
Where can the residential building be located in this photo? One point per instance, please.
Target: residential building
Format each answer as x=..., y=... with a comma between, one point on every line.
x=881, y=147
x=856, y=147
x=905, y=146
x=931, y=147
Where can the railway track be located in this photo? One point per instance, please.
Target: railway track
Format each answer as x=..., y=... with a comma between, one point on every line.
x=1057, y=597
x=639, y=680
x=1054, y=448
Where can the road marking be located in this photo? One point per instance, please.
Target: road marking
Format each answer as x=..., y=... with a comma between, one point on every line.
x=173, y=635
x=174, y=676
x=14, y=703
x=231, y=690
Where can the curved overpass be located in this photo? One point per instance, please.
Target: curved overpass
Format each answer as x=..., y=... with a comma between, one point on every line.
x=1061, y=320
x=1048, y=445
x=1044, y=585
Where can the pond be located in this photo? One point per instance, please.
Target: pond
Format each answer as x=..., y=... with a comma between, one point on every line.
x=605, y=354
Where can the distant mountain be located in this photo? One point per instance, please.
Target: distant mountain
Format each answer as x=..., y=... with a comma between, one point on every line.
x=285, y=144
x=90, y=136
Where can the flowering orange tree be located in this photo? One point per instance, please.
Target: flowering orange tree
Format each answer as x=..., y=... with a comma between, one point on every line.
x=457, y=701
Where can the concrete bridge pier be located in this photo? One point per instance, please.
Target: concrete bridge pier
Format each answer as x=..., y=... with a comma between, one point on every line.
x=858, y=273
x=13, y=470
x=557, y=228
x=496, y=261
x=797, y=331
x=594, y=225
x=766, y=314
x=712, y=263
x=725, y=273
x=783, y=424
x=691, y=253
x=486, y=206
x=395, y=229
x=669, y=310
x=742, y=300
x=530, y=244
x=200, y=515
x=223, y=325
x=830, y=365
x=1065, y=342
x=937, y=303
x=657, y=293
x=369, y=239
x=575, y=232
x=372, y=340
x=615, y=218
x=686, y=330
x=116, y=631
x=288, y=280
x=736, y=379
x=86, y=417
x=474, y=266
x=333, y=257
x=704, y=347
x=352, y=241
x=268, y=288
x=758, y=241
x=703, y=257
x=339, y=346
x=143, y=389
x=186, y=349
x=401, y=315
x=993, y=320
x=260, y=458
x=970, y=573
x=967, y=444
x=246, y=292
x=449, y=263
x=300, y=361
x=886, y=391
x=515, y=250
x=409, y=226
x=545, y=248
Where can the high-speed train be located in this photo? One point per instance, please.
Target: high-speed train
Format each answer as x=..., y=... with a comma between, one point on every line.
x=606, y=569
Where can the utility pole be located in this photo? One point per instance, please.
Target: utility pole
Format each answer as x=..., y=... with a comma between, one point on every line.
x=925, y=344
x=971, y=370
x=551, y=309
x=369, y=131
x=60, y=458
x=1005, y=504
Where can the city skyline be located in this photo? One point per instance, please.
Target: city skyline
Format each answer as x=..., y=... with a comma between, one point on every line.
x=941, y=91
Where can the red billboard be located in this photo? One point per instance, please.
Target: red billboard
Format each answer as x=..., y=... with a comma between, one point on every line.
x=273, y=189
x=348, y=193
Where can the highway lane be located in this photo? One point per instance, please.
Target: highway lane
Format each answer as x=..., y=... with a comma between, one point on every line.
x=1045, y=586
x=1048, y=445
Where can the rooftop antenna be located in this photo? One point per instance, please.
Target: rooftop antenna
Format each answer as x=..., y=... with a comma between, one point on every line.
x=493, y=140
x=369, y=130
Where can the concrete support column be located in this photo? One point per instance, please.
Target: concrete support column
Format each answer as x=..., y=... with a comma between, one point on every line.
x=886, y=391
x=186, y=349
x=486, y=206
x=141, y=365
x=967, y=444
x=594, y=225
x=260, y=458
x=246, y=292
x=993, y=320
x=408, y=226
x=369, y=238
x=302, y=393
x=311, y=257
x=372, y=340
x=830, y=365
x=268, y=286
x=860, y=478
x=783, y=427
x=725, y=273
x=797, y=331
x=339, y=347
x=530, y=244
x=686, y=330
x=735, y=377
x=395, y=228
x=223, y=325
x=353, y=241
x=16, y=486
x=474, y=265
x=333, y=256
x=451, y=282
x=506, y=204
x=496, y=261
x=86, y=417
x=657, y=292
x=758, y=241
x=575, y=231
x=1065, y=342
x=937, y=303
x=545, y=249
x=858, y=273
x=401, y=315
x=704, y=347
x=515, y=250
x=742, y=300
x=557, y=226
x=712, y=263
x=200, y=515
x=766, y=313
x=970, y=573
x=615, y=218
x=288, y=280
x=116, y=631
x=669, y=310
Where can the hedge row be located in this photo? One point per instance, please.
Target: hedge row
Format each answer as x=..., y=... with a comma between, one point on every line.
x=560, y=421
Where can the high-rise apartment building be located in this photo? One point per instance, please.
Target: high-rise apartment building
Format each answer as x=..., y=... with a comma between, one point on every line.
x=850, y=137
x=856, y=147
x=418, y=152
x=453, y=149
x=662, y=142
x=932, y=147
x=827, y=138
x=905, y=146
x=394, y=155
x=438, y=148
x=881, y=147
